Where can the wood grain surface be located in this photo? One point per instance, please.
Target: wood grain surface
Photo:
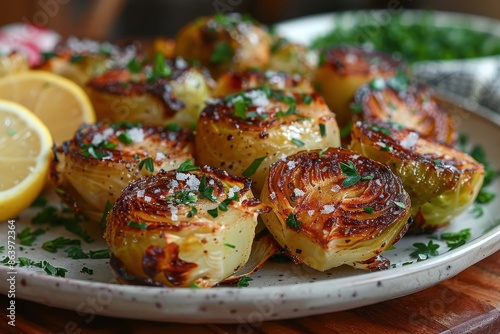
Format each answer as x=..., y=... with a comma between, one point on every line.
x=467, y=303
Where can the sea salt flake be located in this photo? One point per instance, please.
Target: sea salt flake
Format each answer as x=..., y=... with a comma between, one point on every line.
x=328, y=209
x=298, y=192
x=136, y=134
x=410, y=140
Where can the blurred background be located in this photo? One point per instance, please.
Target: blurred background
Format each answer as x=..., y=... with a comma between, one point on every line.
x=117, y=19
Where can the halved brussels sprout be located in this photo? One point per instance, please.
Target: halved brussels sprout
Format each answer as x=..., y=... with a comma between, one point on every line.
x=82, y=59
x=335, y=207
x=98, y=163
x=292, y=58
x=442, y=181
x=246, y=132
x=182, y=229
x=408, y=103
x=343, y=69
x=233, y=82
x=224, y=42
x=165, y=91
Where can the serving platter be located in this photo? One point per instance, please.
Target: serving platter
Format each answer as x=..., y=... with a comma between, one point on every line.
x=278, y=290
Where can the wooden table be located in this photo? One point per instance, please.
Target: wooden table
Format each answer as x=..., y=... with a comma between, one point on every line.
x=467, y=303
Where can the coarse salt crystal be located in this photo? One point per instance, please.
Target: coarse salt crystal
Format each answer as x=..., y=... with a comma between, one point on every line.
x=336, y=188
x=258, y=97
x=310, y=213
x=410, y=140
x=181, y=176
x=140, y=193
x=136, y=134
x=147, y=198
x=160, y=156
x=272, y=195
x=327, y=209
x=192, y=182
x=291, y=164
x=232, y=191
x=298, y=192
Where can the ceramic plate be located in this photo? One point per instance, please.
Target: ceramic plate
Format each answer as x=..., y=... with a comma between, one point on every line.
x=278, y=290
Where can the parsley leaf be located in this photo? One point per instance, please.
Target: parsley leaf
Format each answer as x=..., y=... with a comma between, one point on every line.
x=76, y=252
x=204, y=190
x=60, y=242
x=137, y=225
x=222, y=53
x=297, y=142
x=148, y=164
x=187, y=166
x=86, y=270
x=456, y=239
x=424, y=251
x=99, y=254
x=107, y=208
x=322, y=129
x=291, y=221
x=352, y=174
x=253, y=166
x=27, y=237
x=243, y=282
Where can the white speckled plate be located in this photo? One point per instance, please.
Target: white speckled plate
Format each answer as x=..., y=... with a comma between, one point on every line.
x=278, y=290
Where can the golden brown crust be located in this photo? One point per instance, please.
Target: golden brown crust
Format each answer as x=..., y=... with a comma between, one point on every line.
x=415, y=107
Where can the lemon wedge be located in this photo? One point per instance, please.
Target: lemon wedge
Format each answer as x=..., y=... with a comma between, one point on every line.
x=25, y=153
x=59, y=103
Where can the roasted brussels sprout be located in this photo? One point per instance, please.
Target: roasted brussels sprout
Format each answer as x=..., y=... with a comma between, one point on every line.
x=442, y=182
x=293, y=58
x=182, y=229
x=98, y=163
x=82, y=59
x=165, y=91
x=246, y=132
x=335, y=207
x=13, y=62
x=234, y=82
x=410, y=104
x=342, y=70
x=224, y=42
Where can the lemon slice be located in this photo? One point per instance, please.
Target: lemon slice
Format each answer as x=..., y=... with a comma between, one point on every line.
x=25, y=152
x=59, y=103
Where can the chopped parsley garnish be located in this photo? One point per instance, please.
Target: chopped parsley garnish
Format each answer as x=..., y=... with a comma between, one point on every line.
x=229, y=245
x=124, y=138
x=213, y=212
x=173, y=127
x=96, y=151
x=39, y=202
x=192, y=212
x=477, y=210
x=384, y=131
x=456, y=239
x=148, y=164
x=424, y=251
x=137, y=225
x=292, y=110
x=125, y=125
x=399, y=82
x=134, y=65
x=484, y=196
x=27, y=237
x=244, y=282
x=160, y=68
x=46, y=266
x=323, y=150
x=99, y=254
x=322, y=129
x=345, y=131
x=291, y=221
x=183, y=196
x=222, y=53
x=107, y=208
x=60, y=242
x=297, y=142
x=356, y=108
x=438, y=162
x=352, y=174
x=240, y=109
x=386, y=148
x=86, y=270
x=76, y=252
x=187, y=166
x=368, y=209
x=76, y=58
x=306, y=98
x=253, y=166
x=50, y=215
x=206, y=191
x=2, y=249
